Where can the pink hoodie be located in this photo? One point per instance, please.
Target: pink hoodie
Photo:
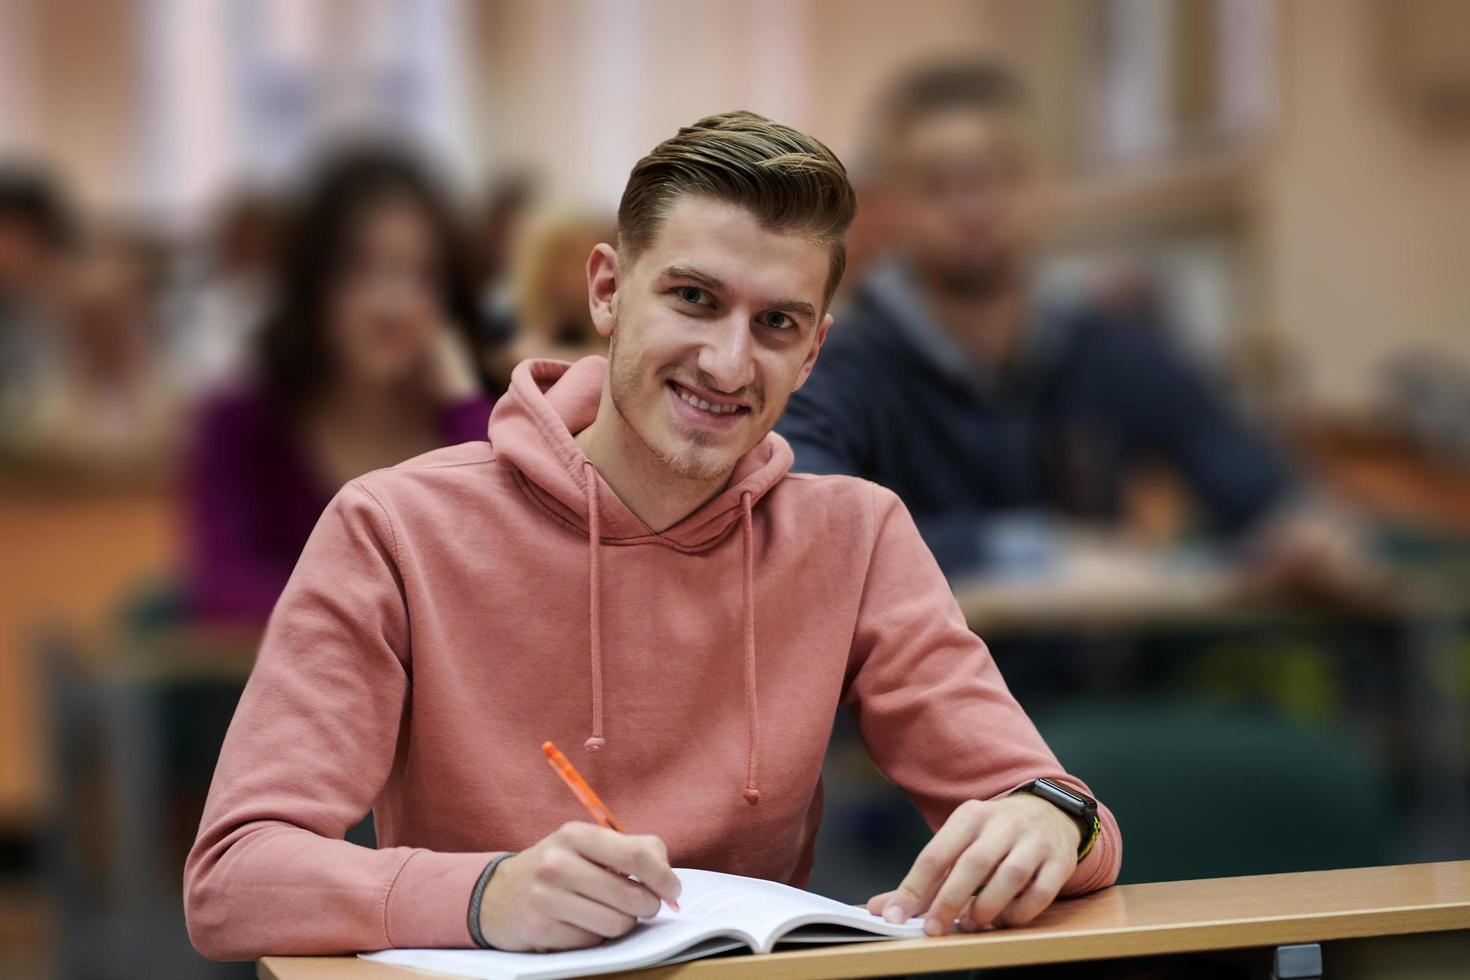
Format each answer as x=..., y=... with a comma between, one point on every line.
x=450, y=614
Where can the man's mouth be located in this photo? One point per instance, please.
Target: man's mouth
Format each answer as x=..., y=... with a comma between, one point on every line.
x=715, y=408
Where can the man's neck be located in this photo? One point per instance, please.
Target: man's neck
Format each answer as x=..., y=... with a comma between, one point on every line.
x=988, y=325
x=657, y=497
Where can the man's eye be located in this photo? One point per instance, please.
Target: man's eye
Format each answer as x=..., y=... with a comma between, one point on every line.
x=690, y=294
x=780, y=321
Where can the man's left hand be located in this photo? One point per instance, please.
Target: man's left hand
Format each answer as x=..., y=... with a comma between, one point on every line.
x=1021, y=848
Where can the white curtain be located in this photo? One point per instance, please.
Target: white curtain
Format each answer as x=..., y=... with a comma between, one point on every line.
x=18, y=135
x=248, y=92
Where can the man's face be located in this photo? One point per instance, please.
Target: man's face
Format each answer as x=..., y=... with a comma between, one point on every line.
x=966, y=199
x=712, y=327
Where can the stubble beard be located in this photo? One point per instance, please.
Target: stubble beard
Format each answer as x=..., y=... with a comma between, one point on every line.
x=696, y=464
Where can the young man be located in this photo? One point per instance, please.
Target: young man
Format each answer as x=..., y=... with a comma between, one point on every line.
x=626, y=569
x=949, y=384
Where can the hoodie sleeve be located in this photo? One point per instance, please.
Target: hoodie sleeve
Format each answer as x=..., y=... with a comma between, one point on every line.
x=933, y=709
x=310, y=747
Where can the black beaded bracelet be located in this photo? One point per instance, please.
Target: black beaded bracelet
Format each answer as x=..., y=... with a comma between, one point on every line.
x=478, y=895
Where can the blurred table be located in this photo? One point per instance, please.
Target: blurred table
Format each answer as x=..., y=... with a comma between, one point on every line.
x=1128, y=920
x=1098, y=585
x=137, y=718
x=1386, y=475
x=1103, y=583
x=1094, y=583
x=70, y=558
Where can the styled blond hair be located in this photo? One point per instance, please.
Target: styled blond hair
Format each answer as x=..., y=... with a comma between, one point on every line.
x=787, y=179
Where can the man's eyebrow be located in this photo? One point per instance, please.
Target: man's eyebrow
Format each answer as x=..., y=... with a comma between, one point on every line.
x=795, y=307
x=685, y=272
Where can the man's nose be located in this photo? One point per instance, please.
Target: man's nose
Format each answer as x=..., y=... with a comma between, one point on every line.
x=725, y=355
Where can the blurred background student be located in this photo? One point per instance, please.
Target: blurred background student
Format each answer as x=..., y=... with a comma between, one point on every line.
x=365, y=361
x=953, y=381
x=549, y=316
x=106, y=401
x=36, y=233
x=226, y=292
x=504, y=211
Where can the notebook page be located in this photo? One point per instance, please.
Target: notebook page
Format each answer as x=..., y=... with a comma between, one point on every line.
x=652, y=941
x=713, y=906
x=765, y=909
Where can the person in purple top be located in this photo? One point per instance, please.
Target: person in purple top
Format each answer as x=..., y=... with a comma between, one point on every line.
x=364, y=362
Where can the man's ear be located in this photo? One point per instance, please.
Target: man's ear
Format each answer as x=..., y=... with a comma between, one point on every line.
x=811, y=355
x=602, y=287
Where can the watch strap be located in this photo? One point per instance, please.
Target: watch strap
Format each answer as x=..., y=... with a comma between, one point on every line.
x=1091, y=837
x=1087, y=822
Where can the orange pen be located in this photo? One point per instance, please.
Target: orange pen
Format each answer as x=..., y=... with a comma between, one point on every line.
x=583, y=792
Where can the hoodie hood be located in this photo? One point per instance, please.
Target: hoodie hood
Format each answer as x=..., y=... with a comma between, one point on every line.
x=532, y=428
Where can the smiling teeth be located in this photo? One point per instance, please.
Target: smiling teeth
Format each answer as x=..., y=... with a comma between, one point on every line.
x=701, y=403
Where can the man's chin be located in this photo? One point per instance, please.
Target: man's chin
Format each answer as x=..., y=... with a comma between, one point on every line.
x=700, y=463
x=699, y=456
x=703, y=473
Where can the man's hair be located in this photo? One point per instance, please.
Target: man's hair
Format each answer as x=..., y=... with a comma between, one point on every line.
x=787, y=179
x=978, y=84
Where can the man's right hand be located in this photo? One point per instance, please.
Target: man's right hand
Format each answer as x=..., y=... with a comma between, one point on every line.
x=573, y=889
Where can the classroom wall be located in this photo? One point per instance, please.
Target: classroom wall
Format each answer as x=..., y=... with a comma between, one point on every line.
x=1364, y=213
x=635, y=78
x=1367, y=212
x=68, y=92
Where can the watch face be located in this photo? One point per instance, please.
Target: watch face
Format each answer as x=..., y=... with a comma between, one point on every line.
x=1063, y=797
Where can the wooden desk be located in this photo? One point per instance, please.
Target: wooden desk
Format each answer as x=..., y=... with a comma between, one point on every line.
x=1128, y=920
x=70, y=559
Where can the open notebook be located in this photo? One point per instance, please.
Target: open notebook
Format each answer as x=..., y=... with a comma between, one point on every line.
x=718, y=913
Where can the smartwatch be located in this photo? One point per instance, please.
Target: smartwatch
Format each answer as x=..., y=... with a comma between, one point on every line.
x=1082, y=809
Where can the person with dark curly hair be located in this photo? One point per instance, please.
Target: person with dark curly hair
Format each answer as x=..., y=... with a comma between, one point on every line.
x=363, y=363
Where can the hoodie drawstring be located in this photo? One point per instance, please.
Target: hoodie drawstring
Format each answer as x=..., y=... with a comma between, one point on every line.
x=752, y=792
x=752, y=717
x=594, y=586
